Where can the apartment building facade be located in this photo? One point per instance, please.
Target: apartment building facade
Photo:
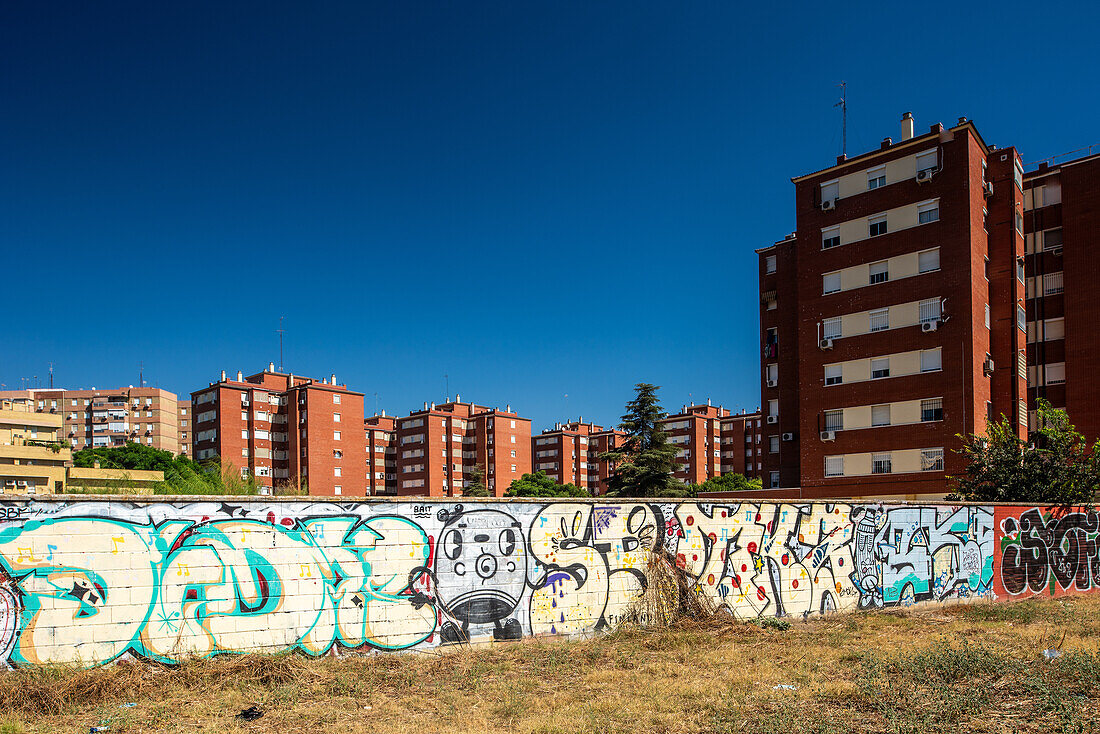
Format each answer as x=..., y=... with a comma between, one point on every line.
x=696, y=431
x=440, y=447
x=33, y=454
x=742, y=445
x=104, y=418
x=569, y=453
x=893, y=318
x=183, y=426
x=381, y=443
x=1062, y=230
x=283, y=430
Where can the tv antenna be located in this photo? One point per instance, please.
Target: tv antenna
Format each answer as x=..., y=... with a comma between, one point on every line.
x=447, y=379
x=281, y=331
x=843, y=105
x=51, y=375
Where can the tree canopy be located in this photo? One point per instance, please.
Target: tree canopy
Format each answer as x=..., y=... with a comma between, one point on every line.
x=1054, y=466
x=477, y=486
x=727, y=483
x=643, y=464
x=540, y=485
x=181, y=474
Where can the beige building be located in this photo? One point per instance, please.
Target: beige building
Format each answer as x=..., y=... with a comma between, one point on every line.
x=32, y=455
x=102, y=418
x=112, y=481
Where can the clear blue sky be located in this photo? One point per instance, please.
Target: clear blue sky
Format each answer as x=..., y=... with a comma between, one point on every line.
x=538, y=199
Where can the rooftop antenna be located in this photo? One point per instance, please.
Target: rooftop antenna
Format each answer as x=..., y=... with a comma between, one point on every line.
x=843, y=105
x=376, y=403
x=141, y=374
x=281, y=330
x=447, y=379
x=51, y=375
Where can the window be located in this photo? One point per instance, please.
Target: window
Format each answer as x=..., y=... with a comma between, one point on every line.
x=880, y=319
x=771, y=372
x=880, y=415
x=336, y=454
x=928, y=213
x=513, y=453
x=769, y=264
x=830, y=190
x=927, y=161
x=1018, y=175
x=834, y=374
x=876, y=178
x=335, y=435
x=1052, y=283
x=244, y=434
x=513, y=424
x=986, y=271
x=830, y=237
x=830, y=328
x=987, y=316
x=773, y=407
x=1021, y=318
x=335, y=399
x=930, y=310
x=773, y=444
x=1019, y=222
x=1055, y=374
x=830, y=282
x=513, y=439
x=1054, y=329
x=773, y=478
x=336, y=471
x=931, y=410
x=834, y=466
x=1020, y=271
x=880, y=368
x=834, y=420
x=931, y=459
x=876, y=226
x=244, y=415
x=879, y=272
x=335, y=417
x=881, y=464
x=1052, y=239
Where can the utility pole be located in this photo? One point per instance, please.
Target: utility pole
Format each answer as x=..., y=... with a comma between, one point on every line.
x=843, y=105
x=281, y=330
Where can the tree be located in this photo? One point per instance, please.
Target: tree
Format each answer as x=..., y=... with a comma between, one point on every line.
x=540, y=485
x=477, y=486
x=644, y=463
x=1055, y=466
x=181, y=474
x=727, y=483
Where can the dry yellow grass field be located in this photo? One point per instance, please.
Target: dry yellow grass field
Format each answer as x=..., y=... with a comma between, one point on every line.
x=963, y=668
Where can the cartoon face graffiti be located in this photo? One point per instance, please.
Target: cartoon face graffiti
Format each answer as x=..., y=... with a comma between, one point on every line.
x=480, y=566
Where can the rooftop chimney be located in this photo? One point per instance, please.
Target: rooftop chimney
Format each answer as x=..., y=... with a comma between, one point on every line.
x=708, y=402
x=907, y=126
x=433, y=405
x=223, y=376
x=383, y=412
x=425, y=405
x=458, y=398
x=508, y=408
x=886, y=143
x=270, y=366
x=332, y=379
x=240, y=376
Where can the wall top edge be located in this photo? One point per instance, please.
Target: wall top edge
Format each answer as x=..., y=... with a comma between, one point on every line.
x=266, y=500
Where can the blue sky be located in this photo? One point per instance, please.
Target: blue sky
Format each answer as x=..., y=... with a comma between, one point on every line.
x=536, y=199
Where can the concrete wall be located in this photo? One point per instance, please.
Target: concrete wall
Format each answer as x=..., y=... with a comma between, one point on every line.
x=87, y=581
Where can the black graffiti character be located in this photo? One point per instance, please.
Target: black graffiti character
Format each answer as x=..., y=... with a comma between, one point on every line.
x=480, y=573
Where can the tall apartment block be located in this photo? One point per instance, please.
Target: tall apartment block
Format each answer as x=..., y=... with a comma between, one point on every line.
x=569, y=454
x=440, y=446
x=381, y=435
x=183, y=426
x=742, y=445
x=1062, y=229
x=32, y=455
x=284, y=430
x=893, y=318
x=95, y=418
x=712, y=442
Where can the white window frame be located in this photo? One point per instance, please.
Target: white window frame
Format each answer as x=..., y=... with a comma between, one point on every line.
x=832, y=279
x=834, y=466
x=880, y=313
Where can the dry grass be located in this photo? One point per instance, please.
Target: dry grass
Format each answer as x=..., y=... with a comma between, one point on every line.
x=972, y=668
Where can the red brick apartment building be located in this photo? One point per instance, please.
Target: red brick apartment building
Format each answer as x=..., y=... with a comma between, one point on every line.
x=284, y=430
x=893, y=318
x=439, y=447
x=102, y=418
x=183, y=426
x=1062, y=229
x=569, y=454
x=713, y=442
x=381, y=435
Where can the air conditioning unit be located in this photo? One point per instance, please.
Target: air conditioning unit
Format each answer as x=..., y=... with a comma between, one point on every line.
x=925, y=175
x=987, y=366
x=788, y=436
x=828, y=435
x=825, y=344
x=772, y=383
x=773, y=419
x=987, y=187
x=828, y=204
x=927, y=326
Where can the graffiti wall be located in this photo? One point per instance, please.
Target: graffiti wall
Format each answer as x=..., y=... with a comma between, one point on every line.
x=90, y=581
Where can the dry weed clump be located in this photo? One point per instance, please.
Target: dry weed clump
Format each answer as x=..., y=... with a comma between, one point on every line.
x=671, y=596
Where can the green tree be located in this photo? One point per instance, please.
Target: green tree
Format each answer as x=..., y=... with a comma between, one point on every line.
x=728, y=483
x=1054, y=466
x=181, y=474
x=477, y=486
x=643, y=464
x=540, y=485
